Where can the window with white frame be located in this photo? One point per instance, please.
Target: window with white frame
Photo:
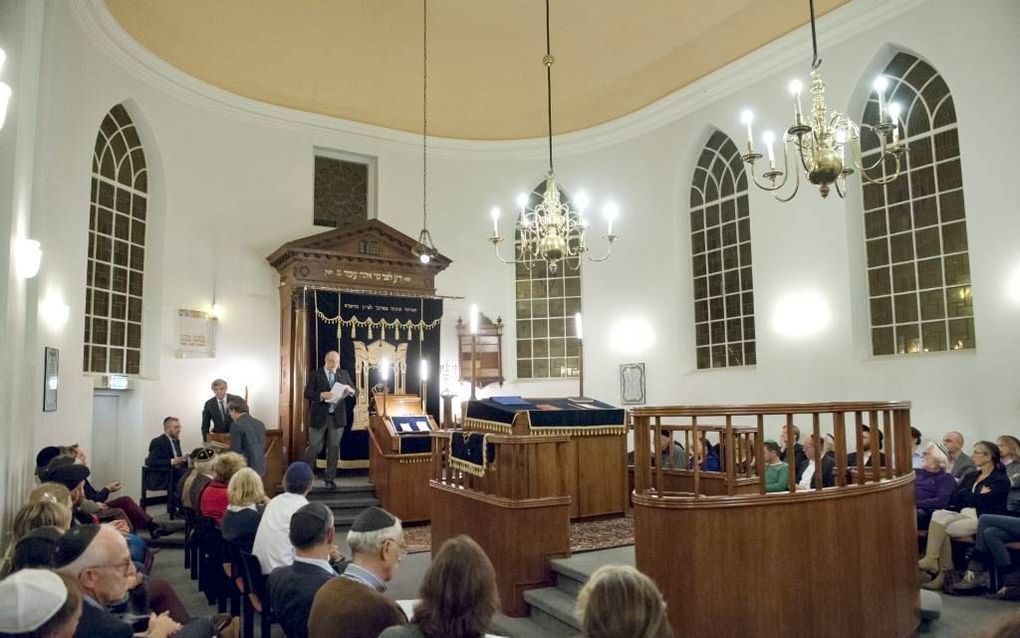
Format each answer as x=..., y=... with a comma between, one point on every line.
x=547, y=344
x=116, y=248
x=721, y=254
x=919, y=283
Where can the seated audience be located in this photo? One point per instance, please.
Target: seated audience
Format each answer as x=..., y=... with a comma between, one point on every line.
x=458, y=595
x=867, y=439
x=165, y=453
x=915, y=438
x=97, y=557
x=959, y=463
x=933, y=485
x=213, y=500
x=993, y=532
x=272, y=540
x=807, y=470
x=672, y=454
x=354, y=605
x=37, y=603
x=1009, y=449
x=201, y=475
x=37, y=549
x=983, y=491
x=829, y=446
x=776, y=471
x=620, y=602
x=244, y=511
x=138, y=517
x=292, y=588
x=798, y=449
x=706, y=456
x=43, y=513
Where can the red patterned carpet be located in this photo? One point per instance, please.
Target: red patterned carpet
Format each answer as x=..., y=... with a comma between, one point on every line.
x=584, y=536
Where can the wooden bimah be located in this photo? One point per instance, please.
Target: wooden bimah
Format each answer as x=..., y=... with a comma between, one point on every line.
x=507, y=492
x=595, y=467
x=400, y=457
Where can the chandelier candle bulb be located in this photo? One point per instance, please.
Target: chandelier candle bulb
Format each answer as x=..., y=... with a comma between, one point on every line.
x=473, y=319
x=610, y=210
x=769, y=138
x=582, y=200
x=894, y=116
x=795, y=89
x=423, y=370
x=578, y=326
x=747, y=117
x=881, y=84
x=495, y=221
x=384, y=369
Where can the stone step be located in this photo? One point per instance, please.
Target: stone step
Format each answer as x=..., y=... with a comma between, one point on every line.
x=527, y=628
x=570, y=577
x=553, y=609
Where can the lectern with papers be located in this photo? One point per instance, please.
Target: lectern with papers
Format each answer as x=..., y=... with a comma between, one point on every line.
x=399, y=457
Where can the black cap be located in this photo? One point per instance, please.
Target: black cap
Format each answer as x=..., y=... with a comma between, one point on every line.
x=45, y=455
x=307, y=523
x=373, y=519
x=864, y=427
x=74, y=543
x=202, y=453
x=38, y=548
x=65, y=471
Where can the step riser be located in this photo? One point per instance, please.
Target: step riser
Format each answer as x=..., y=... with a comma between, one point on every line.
x=551, y=623
x=320, y=497
x=568, y=585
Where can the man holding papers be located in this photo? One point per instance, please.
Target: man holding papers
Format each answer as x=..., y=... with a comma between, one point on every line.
x=326, y=390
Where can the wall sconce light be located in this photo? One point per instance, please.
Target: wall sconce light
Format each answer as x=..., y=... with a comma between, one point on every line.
x=215, y=310
x=27, y=256
x=54, y=311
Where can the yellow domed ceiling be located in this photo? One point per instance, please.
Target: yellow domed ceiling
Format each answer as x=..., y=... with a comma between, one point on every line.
x=361, y=60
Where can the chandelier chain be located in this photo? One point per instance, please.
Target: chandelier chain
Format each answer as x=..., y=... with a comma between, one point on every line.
x=815, y=60
x=548, y=60
x=425, y=115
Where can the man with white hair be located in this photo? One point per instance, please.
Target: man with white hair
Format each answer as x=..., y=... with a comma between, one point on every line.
x=354, y=605
x=97, y=556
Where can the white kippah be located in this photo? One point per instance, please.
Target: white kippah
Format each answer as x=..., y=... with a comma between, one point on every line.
x=28, y=599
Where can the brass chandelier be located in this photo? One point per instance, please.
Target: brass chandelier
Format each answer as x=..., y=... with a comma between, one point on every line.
x=549, y=227
x=820, y=142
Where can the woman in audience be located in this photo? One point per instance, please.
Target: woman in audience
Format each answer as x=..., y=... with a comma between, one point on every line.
x=829, y=447
x=38, y=603
x=201, y=475
x=621, y=602
x=706, y=456
x=213, y=500
x=983, y=491
x=1009, y=449
x=933, y=485
x=458, y=595
x=29, y=517
x=244, y=513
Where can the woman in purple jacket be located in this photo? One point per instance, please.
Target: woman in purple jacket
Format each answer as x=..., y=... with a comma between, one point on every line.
x=933, y=486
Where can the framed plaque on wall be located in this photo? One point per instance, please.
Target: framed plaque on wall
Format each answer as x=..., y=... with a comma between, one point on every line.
x=632, y=383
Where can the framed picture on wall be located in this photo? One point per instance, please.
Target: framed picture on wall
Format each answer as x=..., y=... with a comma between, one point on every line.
x=632, y=383
x=51, y=379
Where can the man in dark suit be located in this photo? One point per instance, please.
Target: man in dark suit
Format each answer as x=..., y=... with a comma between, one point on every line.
x=327, y=419
x=247, y=435
x=866, y=448
x=215, y=410
x=164, y=454
x=292, y=588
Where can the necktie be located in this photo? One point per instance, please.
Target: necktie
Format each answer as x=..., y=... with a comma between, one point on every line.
x=176, y=446
x=330, y=377
x=223, y=411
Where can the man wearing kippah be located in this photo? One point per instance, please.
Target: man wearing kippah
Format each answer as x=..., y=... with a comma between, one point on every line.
x=37, y=602
x=354, y=605
x=292, y=588
x=97, y=557
x=272, y=539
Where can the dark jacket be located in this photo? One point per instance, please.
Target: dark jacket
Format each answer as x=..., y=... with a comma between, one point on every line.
x=851, y=460
x=248, y=438
x=828, y=471
x=968, y=494
x=239, y=527
x=318, y=409
x=798, y=454
x=292, y=590
x=211, y=415
x=161, y=453
x=99, y=622
x=92, y=494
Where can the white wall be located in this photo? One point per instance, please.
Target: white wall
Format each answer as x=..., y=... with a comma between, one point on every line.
x=234, y=183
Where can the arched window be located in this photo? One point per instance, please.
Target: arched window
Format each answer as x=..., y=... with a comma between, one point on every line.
x=546, y=303
x=915, y=227
x=116, y=254
x=721, y=253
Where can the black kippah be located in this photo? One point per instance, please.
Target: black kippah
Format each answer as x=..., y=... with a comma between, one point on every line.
x=202, y=454
x=65, y=471
x=373, y=519
x=74, y=543
x=307, y=523
x=45, y=455
x=38, y=548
